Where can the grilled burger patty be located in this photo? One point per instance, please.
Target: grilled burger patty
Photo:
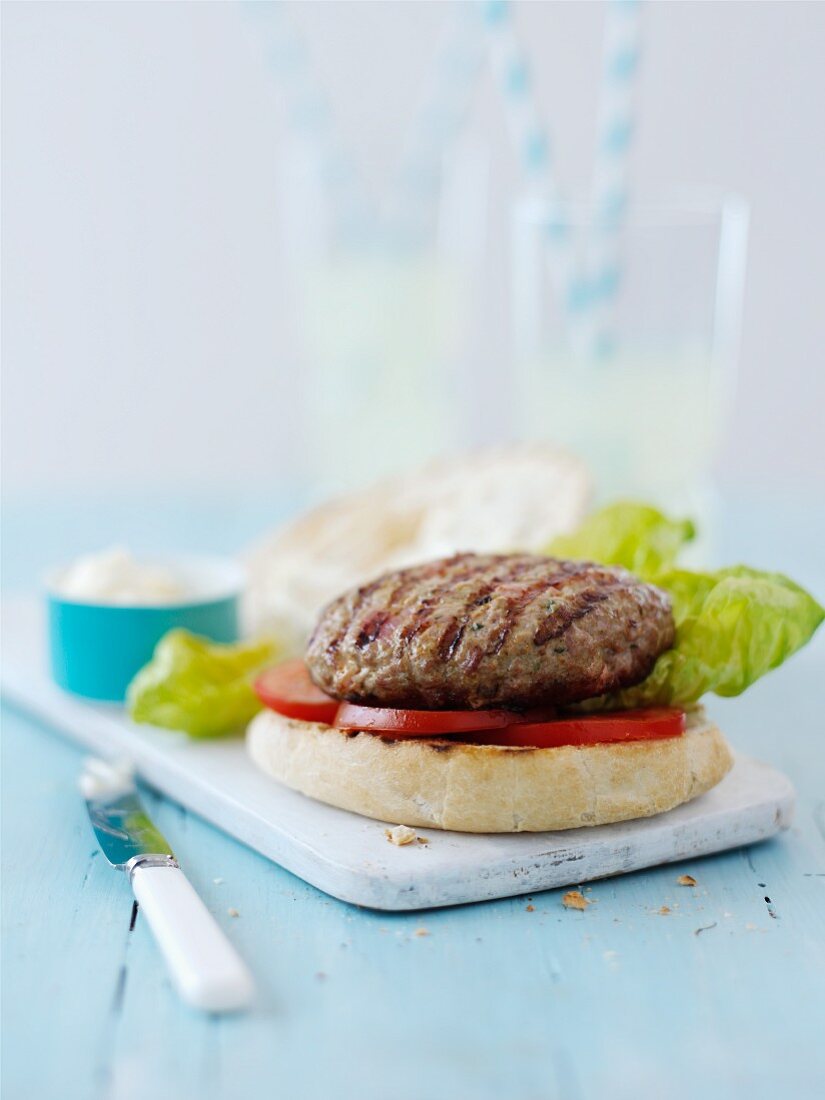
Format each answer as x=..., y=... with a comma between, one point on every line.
x=493, y=630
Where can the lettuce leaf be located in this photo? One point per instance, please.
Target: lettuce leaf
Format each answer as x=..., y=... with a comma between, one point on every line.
x=626, y=533
x=198, y=686
x=732, y=625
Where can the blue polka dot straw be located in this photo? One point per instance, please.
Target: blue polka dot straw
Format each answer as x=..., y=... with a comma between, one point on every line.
x=610, y=194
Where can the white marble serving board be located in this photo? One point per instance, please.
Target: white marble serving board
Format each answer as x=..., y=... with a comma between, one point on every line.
x=347, y=855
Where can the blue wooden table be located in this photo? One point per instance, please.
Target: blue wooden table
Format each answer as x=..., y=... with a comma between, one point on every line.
x=656, y=990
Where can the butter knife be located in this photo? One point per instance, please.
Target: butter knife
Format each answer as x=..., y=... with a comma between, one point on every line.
x=205, y=968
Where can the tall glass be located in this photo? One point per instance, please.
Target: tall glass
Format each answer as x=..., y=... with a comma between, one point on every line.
x=382, y=322
x=626, y=340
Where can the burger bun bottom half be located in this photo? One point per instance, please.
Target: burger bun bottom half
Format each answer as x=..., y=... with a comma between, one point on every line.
x=445, y=784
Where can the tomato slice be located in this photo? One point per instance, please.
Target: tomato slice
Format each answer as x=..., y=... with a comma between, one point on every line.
x=288, y=689
x=421, y=723
x=591, y=729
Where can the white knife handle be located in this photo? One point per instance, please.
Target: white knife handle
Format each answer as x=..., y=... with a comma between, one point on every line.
x=205, y=967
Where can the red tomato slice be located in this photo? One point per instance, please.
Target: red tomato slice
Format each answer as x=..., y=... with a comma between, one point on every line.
x=288, y=689
x=420, y=723
x=591, y=729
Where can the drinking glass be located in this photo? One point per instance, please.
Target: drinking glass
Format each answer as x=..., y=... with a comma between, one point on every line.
x=626, y=339
x=382, y=322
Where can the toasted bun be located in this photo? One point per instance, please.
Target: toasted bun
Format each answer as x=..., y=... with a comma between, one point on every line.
x=495, y=500
x=442, y=784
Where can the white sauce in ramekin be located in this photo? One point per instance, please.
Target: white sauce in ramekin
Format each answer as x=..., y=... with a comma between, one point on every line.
x=115, y=576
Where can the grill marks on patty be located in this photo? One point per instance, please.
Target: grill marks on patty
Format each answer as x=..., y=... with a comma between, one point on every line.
x=465, y=567
x=371, y=628
x=419, y=615
x=451, y=639
x=480, y=597
x=475, y=630
x=555, y=623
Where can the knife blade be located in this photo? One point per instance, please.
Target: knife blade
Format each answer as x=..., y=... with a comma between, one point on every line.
x=205, y=968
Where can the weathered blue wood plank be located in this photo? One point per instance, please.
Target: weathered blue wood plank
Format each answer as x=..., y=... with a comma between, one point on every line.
x=495, y=1001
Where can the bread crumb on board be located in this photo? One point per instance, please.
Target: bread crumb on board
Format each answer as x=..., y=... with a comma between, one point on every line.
x=663, y=911
x=530, y=908
x=421, y=932
x=575, y=899
x=686, y=880
x=400, y=835
x=233, y=912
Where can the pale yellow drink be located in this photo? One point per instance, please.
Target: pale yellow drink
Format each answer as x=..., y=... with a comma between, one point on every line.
x=648, y=423
x=381, y=338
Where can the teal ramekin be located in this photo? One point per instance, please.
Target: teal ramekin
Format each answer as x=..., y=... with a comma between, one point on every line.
x=96, y=648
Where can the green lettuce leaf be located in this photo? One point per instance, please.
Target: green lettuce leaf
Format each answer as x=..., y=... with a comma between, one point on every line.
x=626, y=533
x=199, y=686
x=732, y=625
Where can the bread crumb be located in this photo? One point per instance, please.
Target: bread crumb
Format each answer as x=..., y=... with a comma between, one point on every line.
x=575, y=899
x=400, y=835
x=750, y=927
x=663, y=911
x=421, y=932
x=423, y=839
x=218, y=881
x=233, y=912
x=686, y=880
x=530, y=908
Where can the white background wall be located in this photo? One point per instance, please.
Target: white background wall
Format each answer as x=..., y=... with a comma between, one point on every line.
x=145, y=326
